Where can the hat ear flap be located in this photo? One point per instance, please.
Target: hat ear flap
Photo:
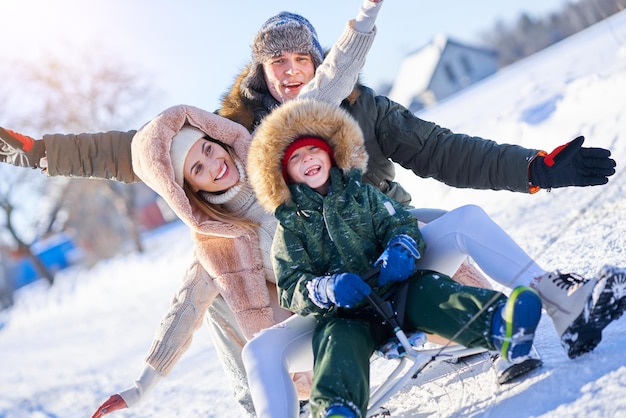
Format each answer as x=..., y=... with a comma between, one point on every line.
x=253, y=85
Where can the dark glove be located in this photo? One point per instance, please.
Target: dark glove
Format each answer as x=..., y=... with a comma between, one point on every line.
x=343, y=289
x=572, y=165
x=114, y=403
x=20, y=150
x=397, y=262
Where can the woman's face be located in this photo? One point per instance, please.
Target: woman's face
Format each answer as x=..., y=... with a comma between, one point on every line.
x=310, y=165
x=209, y=167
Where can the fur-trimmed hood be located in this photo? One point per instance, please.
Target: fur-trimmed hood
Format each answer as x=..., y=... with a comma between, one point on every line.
x=292, y=120
x=152, y=162
x=230, y=257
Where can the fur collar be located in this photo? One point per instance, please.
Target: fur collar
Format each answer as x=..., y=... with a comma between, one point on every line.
x=242, y=103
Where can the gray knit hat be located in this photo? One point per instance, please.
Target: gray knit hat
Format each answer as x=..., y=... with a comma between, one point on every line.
x=284, y=32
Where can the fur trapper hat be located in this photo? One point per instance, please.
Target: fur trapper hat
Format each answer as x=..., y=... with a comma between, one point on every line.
x=291, y=121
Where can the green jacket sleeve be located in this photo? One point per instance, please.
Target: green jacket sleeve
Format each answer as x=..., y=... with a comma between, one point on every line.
x=391, y=219
x=292, y=273
x=104, y=155
x=393, y=132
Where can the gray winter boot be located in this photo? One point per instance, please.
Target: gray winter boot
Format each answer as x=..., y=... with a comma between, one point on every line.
x=581, y=308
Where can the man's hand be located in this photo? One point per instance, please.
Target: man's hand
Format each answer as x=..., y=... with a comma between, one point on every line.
x=572, y=165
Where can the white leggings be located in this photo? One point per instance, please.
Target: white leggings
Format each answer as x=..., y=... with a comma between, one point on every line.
x=286, y=348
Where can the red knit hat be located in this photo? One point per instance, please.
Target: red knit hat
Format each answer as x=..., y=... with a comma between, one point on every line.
x=303, y=142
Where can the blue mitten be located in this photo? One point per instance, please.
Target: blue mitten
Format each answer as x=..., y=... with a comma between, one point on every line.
x=344, y=289
x=397, y=262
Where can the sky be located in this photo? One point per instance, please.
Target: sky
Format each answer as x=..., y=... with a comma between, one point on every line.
x=66, y=349
x=192, y=49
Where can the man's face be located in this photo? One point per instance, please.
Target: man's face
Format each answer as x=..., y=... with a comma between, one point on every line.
x=287, y=73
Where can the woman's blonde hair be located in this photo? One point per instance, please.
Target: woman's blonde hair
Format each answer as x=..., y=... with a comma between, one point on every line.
x=214, y=211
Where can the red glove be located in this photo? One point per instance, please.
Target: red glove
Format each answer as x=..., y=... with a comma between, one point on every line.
x=114, y=403
x=17, y=140
x=20, y=150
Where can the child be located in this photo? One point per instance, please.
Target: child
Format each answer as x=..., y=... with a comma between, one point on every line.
x=305, y=164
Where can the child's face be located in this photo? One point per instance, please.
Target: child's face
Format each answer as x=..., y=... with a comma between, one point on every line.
x=287, y=73
x=310, y=165
x=209, y=167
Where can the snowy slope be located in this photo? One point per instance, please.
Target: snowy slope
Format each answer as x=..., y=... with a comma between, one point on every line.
x=65, y=350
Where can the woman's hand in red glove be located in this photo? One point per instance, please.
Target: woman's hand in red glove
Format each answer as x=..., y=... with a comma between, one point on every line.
x=114, y=403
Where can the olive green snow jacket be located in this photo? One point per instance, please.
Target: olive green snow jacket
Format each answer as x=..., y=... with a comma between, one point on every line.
x=394, y=134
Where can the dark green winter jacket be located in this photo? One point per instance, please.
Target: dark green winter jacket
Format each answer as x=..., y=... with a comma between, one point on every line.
x=344, y=231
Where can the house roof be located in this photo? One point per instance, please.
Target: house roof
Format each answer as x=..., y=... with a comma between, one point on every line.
x=418, y=68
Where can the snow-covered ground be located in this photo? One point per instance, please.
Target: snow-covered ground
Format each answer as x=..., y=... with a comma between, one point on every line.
x=64, y=350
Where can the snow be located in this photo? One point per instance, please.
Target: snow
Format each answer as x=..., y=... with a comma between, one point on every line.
x=66, y=349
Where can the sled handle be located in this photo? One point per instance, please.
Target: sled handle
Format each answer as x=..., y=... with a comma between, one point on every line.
x=385, y=309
